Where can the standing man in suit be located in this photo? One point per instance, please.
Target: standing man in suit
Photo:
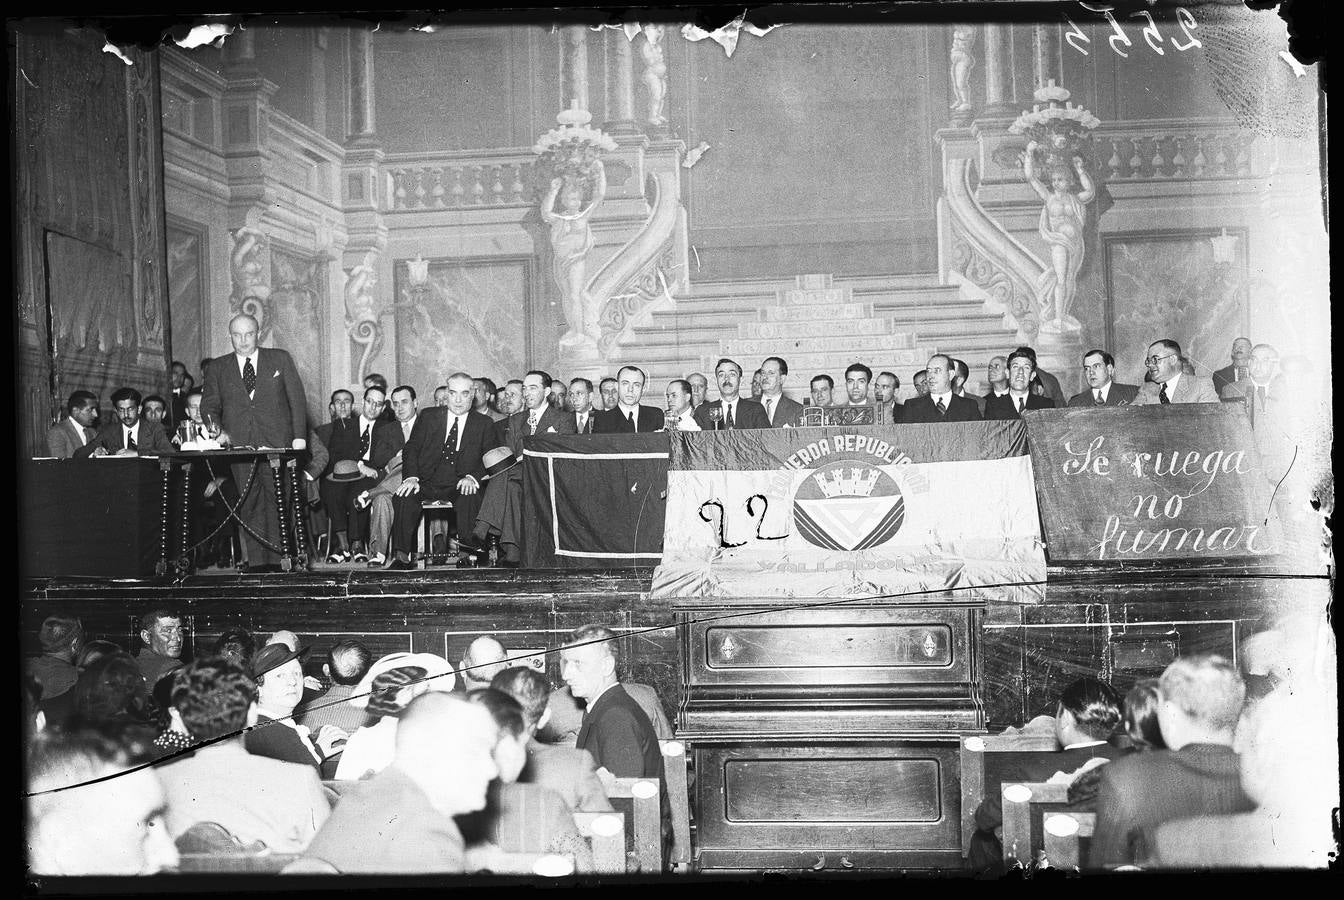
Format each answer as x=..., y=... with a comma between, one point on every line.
x=1043, y=384
x=857, y=378
x=679, y=411
x=822, y=390
x=779, y=409
x=884, y=391
x=129, y=435
x=627, y=415
x=501, y=510
x=940, y=404
x=615, y=729
x=1170, y=384
x=997, y=374
x=699, y=388
x=1239, y=370
x=257, y=397
x=1255, y=386
x=733, y=411
x=177, y=401
x=1102, y=388
x=610, y=392
x=581, y=401
x=961, y=373
x=1021, y=368
x=921, y=383
x=443, y=460
x=76, y=430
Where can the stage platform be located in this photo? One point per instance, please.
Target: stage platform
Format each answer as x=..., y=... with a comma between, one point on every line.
x=1123, y=623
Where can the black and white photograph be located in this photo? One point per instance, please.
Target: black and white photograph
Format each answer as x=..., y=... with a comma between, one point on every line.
x=602, y=445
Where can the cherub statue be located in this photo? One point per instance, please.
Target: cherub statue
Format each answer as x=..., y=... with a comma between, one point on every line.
x=571, y=239
x=1061, y=227
x=960, y=64
x=655, y=72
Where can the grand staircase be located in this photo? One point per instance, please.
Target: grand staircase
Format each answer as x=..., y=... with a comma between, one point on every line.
x=819, y=324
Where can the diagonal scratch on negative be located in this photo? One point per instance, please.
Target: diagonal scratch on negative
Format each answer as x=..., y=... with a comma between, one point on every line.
x=633, y=633
x=1269, y=508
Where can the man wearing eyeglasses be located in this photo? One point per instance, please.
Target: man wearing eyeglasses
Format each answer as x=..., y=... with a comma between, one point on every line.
x=379, y=443
x=1170, y=384
x=1102, y=388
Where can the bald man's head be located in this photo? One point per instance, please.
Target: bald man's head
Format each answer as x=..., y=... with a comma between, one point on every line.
x=446, y=746
x=484, y=660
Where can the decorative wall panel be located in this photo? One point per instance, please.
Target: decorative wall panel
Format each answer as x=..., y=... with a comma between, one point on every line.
x=468, y=315
x=299, y=320
x=186, y=293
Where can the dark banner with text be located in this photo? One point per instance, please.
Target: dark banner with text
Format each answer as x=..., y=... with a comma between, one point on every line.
x=1149, y=483
x=852, y=512
x=593, y=501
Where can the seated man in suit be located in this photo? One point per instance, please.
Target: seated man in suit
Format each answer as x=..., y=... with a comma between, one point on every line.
x=341, y=438
x=626, y=415
x=129, y=435
x=940, y=404
x=615, y=729
x=1239, y=368
x=378, y=500
x=581, y=404
x=821, y=389
x=379, y=442
x=730, y=411
x=1256, y=389
x=444, y=459
x=779, y=409
x=1198, y=774
x=279, y=677
x=501, y=509
x=679, y=410
x=155, y=409
x=1085, y=718
x=1170, y=383
x=885, y=386
x=569, y=771
x=76, y=430
x=1102, y=388
x=1021, y=368
x=484, y=400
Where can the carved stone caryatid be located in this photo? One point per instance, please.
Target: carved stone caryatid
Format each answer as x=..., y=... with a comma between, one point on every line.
x=362, y=317
x=251, y=273
x=569, y=158
x=1060, y=141
x=655, y=74
x=960, y=63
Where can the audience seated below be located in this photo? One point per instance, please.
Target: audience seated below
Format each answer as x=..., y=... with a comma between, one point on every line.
x=385, y=691
x=615, y=729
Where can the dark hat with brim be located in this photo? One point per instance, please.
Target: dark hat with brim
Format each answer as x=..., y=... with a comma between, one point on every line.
x=346, y=470
x=498, y=460
x=273, y=656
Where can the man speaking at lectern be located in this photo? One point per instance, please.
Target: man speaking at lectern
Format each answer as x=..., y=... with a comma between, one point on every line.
x=256, y=396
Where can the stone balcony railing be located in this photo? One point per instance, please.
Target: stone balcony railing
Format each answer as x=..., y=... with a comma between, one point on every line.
x=1176, y=150
x=458, y=180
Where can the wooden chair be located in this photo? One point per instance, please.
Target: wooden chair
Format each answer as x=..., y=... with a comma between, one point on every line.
x=973, y=750
x=1019, y=799
x=210, y=847
x=605, y=834
x=1063, y=834
x=647, y=826
x=429, y=509
x=678, y=799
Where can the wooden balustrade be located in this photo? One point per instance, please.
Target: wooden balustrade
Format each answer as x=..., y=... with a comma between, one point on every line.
x=459, y=182
x=1175, y=154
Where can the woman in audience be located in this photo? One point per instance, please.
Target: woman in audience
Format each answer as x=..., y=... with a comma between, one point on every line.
x=1140, y=719
x=59, y=708
x=386, y=690
x=173, y=735
x=111, y=695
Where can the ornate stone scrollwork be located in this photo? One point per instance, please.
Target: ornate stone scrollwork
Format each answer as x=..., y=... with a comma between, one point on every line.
x=250, y=271
x=648, y=284
x=362, y=318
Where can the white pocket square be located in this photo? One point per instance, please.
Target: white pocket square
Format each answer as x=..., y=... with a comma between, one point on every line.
x=551, y=430
x=277, y=374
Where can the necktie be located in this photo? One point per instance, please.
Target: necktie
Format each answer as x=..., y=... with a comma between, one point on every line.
x=450, y=445
x=770, y=409
x=1099, y=401
x=1260, y=397
x=1021, y=403
x=130, y=440
x=631, y=416
x=942, y=407
x=364, y=442
x=249, y=376
x=728, y=419
x=532, y=422
x=1162, y=394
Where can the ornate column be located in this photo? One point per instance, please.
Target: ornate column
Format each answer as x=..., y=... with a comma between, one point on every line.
x=620, y=84
x=574, y=40
x=998, y=71
x=1046, y=64
x=361, y=83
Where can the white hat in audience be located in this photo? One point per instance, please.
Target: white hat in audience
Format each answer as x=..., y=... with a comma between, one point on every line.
x=439, y=674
